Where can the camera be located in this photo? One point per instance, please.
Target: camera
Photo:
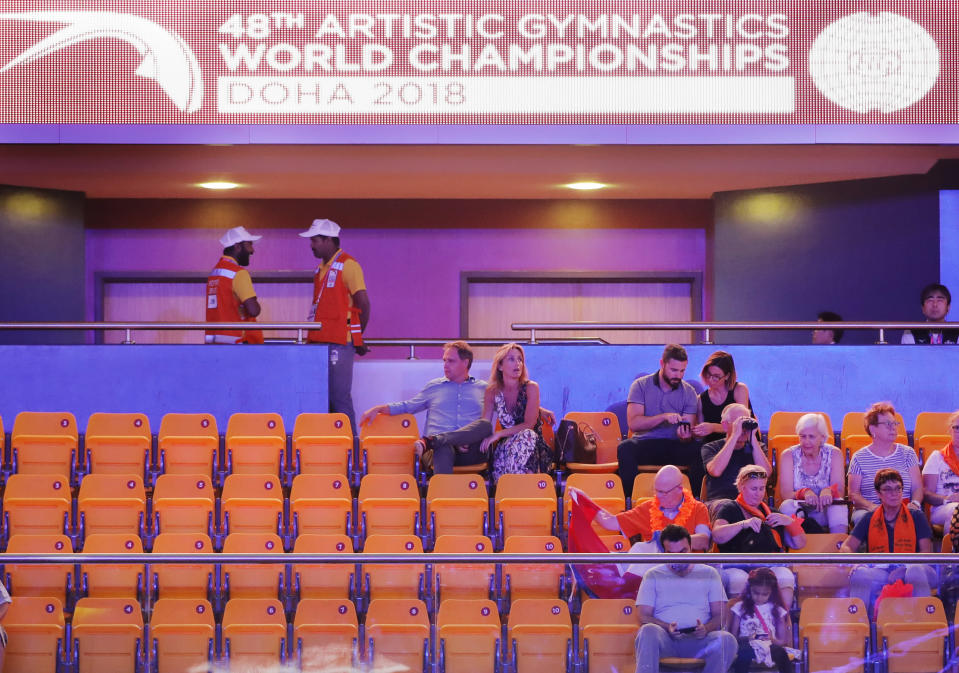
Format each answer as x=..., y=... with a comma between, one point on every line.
x=750, y=424
x=684, y=425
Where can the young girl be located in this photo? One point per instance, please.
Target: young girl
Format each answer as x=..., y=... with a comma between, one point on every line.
x=760, y=621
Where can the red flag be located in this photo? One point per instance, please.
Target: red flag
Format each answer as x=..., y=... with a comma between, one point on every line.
x=597, y=580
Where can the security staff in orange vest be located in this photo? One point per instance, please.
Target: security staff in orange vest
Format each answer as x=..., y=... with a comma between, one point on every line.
x=229, y=290
x=342, y=307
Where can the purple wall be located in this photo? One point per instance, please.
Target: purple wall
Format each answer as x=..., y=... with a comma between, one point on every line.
x=413, y=275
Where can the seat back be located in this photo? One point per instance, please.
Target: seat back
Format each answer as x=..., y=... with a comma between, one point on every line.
x=184, y=503
x=35, y=633
x=322, y=444
x=468, y=636
x=40, y=580
x=398, y=633
x=387, y=444
x=616, y=542
x=606, y=490
x=826, y=580
x=914, y=632
x=118, y=443
x=525, y=504
x=44, y=442
x=463, y=580
x=253, y=580
x=255, y=443
x=321, y=504
x=254, y=633
x=532, y=580
x=112, y=580
x=112, y=503
x=854, y=435
x=457, y=504
x=608, y=433
x=389, y=504
x=607, y=635
x=325, y=635
x=384, y=580
x=931, y=433
x=643, y=486
x=540, y=635
x=194, y=581
x=182, y=631
x=782, y=429
x=188, y=444
x=252, y=503
x=107, y=631
x=314, y=580
x=37, y=504
x=837, y=633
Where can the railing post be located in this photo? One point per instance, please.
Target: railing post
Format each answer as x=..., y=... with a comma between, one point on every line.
x=412, y=355
x=706, y=340
x=882, y=337
x=129, y=338
x=532, y=336
x=299, y=337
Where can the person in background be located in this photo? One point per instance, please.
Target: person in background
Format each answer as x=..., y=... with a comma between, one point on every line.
x=811, y=476
x=940, y=480
x=722, y=389
x=935, y=300
x=724, y=458
x=230, y=296
x=827, y=336
x=760, y=622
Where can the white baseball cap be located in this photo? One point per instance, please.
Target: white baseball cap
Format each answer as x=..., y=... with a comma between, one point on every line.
x=322, y=228
x=237, y=235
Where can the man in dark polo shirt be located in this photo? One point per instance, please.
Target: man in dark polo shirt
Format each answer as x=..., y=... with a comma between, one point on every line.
x=724, y=458
x=659, y=411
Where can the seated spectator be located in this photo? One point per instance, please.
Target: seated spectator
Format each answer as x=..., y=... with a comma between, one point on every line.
x=747, y=525
x=935, y=300
x=660, y=410
x=724, y=458
x=681, y=612
x=672, y=504
x=760, y=622
x=811, y=476
x=882, y=425
x=892, y=527
x=940, y=480
x=722, y=389
x=827, y=336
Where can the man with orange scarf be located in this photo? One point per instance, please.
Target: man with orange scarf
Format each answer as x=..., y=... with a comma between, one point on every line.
x=892, y=527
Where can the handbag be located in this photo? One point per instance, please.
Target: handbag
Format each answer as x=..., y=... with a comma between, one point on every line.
x=586, y=444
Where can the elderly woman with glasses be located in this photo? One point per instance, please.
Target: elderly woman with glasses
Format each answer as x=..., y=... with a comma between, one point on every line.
x=811, y=476
x=884, y=452
x=891, y=528
x=747, y=525
x=722, y=389
x=940, y=480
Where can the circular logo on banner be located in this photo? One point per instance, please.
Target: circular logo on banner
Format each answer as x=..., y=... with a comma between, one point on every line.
x=555, y=610
x=628, y=610
x=268, y=485
x=269, y=544
x=541, y=484
x=64, y=422
x=405, y=423
x=480, y=546
x=200, y=609
x=198, y=544
x=128, y=608
x=57, y=486
x=485, y=611
x=342, y=609
x=404, y=485
x=201, y=484
x=337, y=484
x=414, y=611
x=340, y=546
x=409, y=546
x=338, y=424
x=271, y=424
x=865, y=62
x=58, y=545
x=129, y=544
x=137, y=423
x=50, y=607
x=131, y=484
x=550, y=546
x=271, y=610
x=853, y=609
x=205, y=423
x=473, y=485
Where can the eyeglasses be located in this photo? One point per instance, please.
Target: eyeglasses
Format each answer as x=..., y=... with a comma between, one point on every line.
x=665, y=491
x=889, y=424
x=756, y=475
x=891, y=489
x=715, y=377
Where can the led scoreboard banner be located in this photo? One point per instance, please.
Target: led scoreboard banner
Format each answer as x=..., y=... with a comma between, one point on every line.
x=459, y=62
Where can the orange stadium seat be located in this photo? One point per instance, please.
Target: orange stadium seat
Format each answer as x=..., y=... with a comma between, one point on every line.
x=45, y=443
x=397, y=580
x=463, y=580
x=389, y=504
x=188, y=444
x=184, y=503
x=457, y=504
x=254, y=635
x=109, y=635
x=540, y=635
x=37, y=504
x=118, y=444
x=532, y=580
x=607, y=635
x=255, y=444
x=854, y=435
x=326, y=635
x=912, y=634
x=398, y=635
x=468, y=637
x=616, y=543
x=643, y=487
x=112, y=503
x=821, y=581
x=112, y=580
x=56, y=581
x=833, y=634
x=183, y=635
x=931, y=432
x=254, y=580
x=525, y=504
x=323, y=444
x=321, y=504
x=321, y=580
x=194, y=581
x=252, y=503
x=387, y=445
x=782, y=430
x=35, y=636
x=606, y=490
x=608, y=436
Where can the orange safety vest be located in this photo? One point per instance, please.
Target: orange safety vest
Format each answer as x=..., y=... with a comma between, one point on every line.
x=223, y=306
x=331, y=306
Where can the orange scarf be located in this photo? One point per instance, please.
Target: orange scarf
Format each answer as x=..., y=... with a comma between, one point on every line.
x=903, y=535
x=658, y=520
x=949, y=455
x=762, y=512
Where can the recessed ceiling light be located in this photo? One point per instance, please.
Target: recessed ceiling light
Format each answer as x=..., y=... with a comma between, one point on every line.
x=218, y=185
x=585, y=186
